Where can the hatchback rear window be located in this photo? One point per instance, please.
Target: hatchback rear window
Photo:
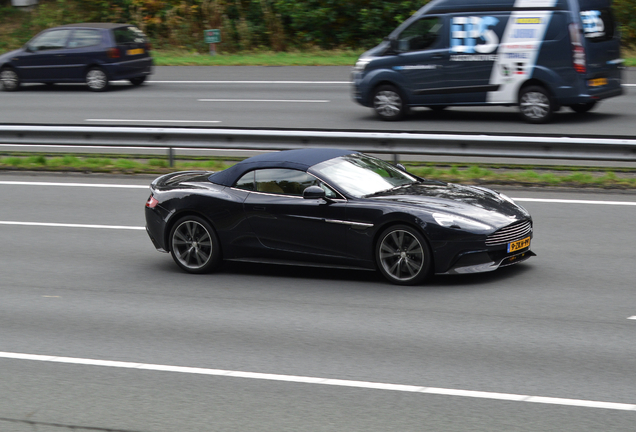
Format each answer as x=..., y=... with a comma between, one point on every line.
x=598, y=25
x=127, y=35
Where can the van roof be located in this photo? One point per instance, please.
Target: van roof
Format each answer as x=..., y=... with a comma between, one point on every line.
x=444, y=6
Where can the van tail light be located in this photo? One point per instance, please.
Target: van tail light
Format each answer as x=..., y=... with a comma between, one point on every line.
x=152, y=202
x=113, y=53
x=578, y=51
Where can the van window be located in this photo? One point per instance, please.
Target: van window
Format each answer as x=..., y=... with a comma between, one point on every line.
x=598, y=25
x=420, y=35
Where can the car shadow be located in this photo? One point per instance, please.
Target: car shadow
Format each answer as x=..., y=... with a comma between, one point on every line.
x=73, y=88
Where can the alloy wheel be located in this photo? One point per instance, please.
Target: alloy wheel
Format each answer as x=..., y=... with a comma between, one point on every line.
x=401, y=255
x=535, y=105
x=192, y=245
x=96, y=79
x=10, y=80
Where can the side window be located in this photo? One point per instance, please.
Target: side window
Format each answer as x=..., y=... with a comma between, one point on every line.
x=420, y=35
x=128, y=35
x=54, y=39
x=85, y=38
x=598, y=25
x=246, y=182
x=284, y=181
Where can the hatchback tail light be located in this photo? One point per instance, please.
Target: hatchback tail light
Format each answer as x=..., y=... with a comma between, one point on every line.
x=578, y=51
x=113, y=53
x=152, y=202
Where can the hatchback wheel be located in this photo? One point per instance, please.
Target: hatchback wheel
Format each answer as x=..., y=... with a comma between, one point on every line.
x=403, y=255
x=388, y=103
x=97, y=80
x=137, y=81
x=194, y=245
x=535, y=104
x=10, y=79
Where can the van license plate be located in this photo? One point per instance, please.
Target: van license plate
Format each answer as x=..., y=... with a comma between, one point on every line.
x=597, y=82
x=518, y=245
x=135, y=51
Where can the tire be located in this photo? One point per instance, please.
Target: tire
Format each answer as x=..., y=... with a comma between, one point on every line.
x=388, y=103
x=10, y=79
x=583, y=107
x=97, y=80
x=535, y=104
x=194, y=245
x=403, y=255
x=137, y=81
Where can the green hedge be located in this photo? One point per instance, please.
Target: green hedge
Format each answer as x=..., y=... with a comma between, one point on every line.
x=255, y=24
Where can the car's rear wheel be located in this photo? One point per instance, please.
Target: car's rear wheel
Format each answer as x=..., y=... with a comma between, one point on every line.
x=194, y=245
x=10, y=79
x=403, y=255
x=97, y=80
x=535, y=104
x=583, y=107
x=137, y=81
x=388, y=103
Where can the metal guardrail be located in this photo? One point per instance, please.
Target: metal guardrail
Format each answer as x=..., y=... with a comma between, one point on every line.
x=395, y=143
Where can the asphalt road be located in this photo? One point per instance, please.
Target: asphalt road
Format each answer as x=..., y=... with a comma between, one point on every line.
x=280, y=97
x=556, y=326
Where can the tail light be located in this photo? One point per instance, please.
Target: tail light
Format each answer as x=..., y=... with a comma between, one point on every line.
x=113, y=53
x=578, y=51
x=152, y=202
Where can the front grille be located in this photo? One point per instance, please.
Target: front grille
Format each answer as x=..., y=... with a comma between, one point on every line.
x=517, y=231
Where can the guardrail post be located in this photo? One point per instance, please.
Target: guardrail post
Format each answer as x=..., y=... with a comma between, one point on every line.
x=171, y=157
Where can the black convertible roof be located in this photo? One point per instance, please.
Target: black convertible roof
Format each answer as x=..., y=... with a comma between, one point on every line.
x=293, y=159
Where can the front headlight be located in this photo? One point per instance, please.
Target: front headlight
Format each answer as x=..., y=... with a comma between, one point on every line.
x=361, y=65
x=459, y=222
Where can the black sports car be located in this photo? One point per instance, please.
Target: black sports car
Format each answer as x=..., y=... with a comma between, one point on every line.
x=334, y=208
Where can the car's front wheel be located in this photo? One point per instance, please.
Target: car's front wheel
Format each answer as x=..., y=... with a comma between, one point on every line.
x=403, y=255
x=194, y=245
x=388, y=103
x=97, y=80
x=9, y=79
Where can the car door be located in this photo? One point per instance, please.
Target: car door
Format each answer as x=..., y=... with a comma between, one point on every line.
x=284, y=221
x=423, y=60
x=45, y=57
x=84, y=46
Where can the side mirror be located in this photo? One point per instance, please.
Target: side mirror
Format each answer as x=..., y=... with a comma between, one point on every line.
x=28, y=48
x=314, y=192
x=401, y=167
x=394, y=45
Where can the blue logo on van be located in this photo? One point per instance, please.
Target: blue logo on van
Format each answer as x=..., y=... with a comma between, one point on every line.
x=474, y=35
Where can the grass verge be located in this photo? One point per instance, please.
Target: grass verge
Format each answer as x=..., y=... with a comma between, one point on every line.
x=491, y=174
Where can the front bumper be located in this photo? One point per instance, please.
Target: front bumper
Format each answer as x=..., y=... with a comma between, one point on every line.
x=485, y=261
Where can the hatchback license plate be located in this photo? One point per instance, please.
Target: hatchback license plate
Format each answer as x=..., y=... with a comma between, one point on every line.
x=135, y=51
x=597, y=82
x=518, y=245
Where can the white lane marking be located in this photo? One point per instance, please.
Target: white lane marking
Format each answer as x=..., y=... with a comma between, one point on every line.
x=324, y=381
x=267, y=100
x=152, y=121
x=64, y=225
x=629, y=85
x=90, y=185
x=562, y=201
x=632, y=317
x=252, y=82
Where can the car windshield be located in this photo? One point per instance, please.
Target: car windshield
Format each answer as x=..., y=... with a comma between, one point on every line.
x=360, y=175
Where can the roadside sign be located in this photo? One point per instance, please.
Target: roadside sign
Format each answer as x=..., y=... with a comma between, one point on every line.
x=212, y=36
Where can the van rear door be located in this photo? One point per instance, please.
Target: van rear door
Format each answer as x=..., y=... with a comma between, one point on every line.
x=602, y=43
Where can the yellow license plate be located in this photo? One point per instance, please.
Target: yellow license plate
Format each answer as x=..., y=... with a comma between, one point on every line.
x=135, y=51
x=597, y=82
x=518, y=245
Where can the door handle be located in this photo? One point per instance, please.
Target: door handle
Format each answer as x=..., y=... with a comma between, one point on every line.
x=258, y=208
x=437, y=57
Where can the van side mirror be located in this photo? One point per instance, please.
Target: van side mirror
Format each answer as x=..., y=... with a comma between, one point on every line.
x=394, y=45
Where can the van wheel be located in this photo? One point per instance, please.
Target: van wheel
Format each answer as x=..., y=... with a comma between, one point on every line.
x=535, y=104
x=583, y=107
x=388, y=103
